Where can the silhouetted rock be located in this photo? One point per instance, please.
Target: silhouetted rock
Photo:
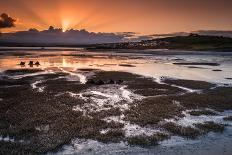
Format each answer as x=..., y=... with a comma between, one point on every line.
x=90, y=81
x=162, y=78
x=126, y=65
x=197, y=63
x=30, y=63
x=22, y=63
x=95, y=82
x=217, y=70
x=110, y=81
x=119, y=82
x=99, y=82
x=37, y=63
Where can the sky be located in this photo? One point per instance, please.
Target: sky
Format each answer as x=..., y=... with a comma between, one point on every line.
x=140, y=16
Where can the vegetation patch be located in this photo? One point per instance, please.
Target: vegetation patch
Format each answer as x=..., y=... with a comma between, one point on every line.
x=218, y=99
x=12, y=148
x=202, y=112
x=106, y=113
x=138, y=84
x=210, y=126
x=22, y=71
x=147, y=141
x=175, y=129
x=228, y=118
x=152, y=110
x=46, y=120
x=190, y=83
x=114, y=135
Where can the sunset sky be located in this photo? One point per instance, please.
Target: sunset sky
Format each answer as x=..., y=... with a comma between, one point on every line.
x=141, y=16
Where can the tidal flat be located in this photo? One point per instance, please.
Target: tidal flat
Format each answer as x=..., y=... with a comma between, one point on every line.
x=74, y=105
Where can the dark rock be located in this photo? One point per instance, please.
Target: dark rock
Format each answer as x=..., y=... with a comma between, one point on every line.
x=119, y=82
x=176, y=129
x=22, y=63
x=197, y=63
x=95, y=82
x=90, y=81
x=30, y=63
x=192, y=84
x=99, y=82
x=228, y=118
x=126, y=65
x=146, y=141
x=202, y=112
x=110, y=81
x=37, y=63
x=217, y=70
x=210, y=126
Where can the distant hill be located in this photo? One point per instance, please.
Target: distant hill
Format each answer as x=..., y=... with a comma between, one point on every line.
x=197, y=42
x=191, y=42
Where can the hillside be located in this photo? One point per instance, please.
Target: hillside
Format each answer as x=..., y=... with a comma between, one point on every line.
x=197, y=42
x=190, y=42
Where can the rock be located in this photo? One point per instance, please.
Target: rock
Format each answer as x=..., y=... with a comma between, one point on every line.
x=217, y=70
x=96, y=82
x=162, y=78
x=119, y=82
x=90, y=81
x=37, y=63
x=110, y=81
x=197, y=63
x=22, y=63
x=99, y=82
x=30, y=63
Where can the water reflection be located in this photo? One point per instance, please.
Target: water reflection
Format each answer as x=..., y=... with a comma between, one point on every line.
x=148, y=65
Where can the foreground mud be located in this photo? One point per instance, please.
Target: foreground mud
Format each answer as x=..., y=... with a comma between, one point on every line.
x=42, y=110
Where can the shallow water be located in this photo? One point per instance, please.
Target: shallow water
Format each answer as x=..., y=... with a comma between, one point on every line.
x=147, y=64
x=212, y=144
x=152, y=65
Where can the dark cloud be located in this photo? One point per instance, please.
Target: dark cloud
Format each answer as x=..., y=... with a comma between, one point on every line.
x=6, y=21
x=55, y=36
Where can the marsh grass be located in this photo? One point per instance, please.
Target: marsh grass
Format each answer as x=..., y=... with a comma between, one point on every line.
x=152, y=110
x=46, y=120
x=190, y=83
x=147, y=141
x=202, y=112
x=188, y=132
x=228, y=118
x=210, y=126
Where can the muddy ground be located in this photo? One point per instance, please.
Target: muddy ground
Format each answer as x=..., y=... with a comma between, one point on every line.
x=42, y=112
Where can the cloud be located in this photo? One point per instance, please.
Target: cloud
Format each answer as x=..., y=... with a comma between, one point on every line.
x=6, y=21
x=55, y=36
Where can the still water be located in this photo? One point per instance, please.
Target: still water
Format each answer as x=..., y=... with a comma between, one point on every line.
x=147, y=64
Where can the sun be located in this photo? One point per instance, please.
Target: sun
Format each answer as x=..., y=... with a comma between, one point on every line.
x=65, y=25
